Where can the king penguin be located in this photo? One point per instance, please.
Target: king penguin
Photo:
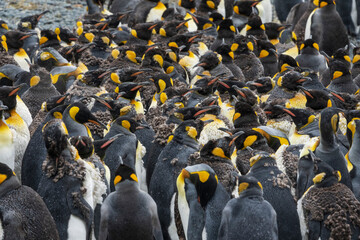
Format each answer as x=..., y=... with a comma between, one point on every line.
x=122, y=210
x=23, y=213
x=251, y=211
x=201, y=200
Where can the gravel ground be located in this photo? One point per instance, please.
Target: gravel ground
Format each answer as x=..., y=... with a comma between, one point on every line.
x=62, y=13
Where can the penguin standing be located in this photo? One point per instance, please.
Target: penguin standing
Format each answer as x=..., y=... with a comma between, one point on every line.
x=352, y=156
x=328, y=209
x=63, y=185
x=122, y=210
x=200, y=210
x=19, y=129
x=328, y=149
x=171, y=160
x=310, y=56
x=7, y=148
x=283, y=7
x=326, y=27
x=251, y=211
x=277, y=191
x=23, y=213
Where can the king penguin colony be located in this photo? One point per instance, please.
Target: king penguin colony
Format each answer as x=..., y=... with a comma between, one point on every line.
x=190, y=119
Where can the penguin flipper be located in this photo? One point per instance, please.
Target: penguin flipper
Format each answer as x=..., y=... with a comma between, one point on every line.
x=81, y=209
x=314, y=229
x=197, y=215
x=103, y=230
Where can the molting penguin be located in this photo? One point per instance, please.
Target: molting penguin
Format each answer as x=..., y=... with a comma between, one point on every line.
x=251, y=211
x=328, y=209
x=201, y=200
x=23, y=213
x=63, y=184
x=122, y=210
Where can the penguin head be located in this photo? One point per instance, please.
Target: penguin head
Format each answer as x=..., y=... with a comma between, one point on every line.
x=49, y=58
x=162, y=81
x=246, y=95
x=124, y=173
x=143, y=30
x=204, y=178
x=129, y=90
x=30, y=22
x=101, y=145
x=102, y=39
x=301, y=117
x=338, y=69
x=245, y=8
x=14, y=39
x=329, y=119
x=225, y=51
x=173, y=27
x=254, y=25
x=309, y=47
x=181, y=42
x=49, y=38
x=266, y=49
x=189, y=128
x=356, y=55
x=291, y=81
x=55, y=136
x=216, y=17
x=205, y=85
x=84, y=145
x=53, y=102
x=153, y=57
x=65, y=35
x=274, y=137
x=209, y=60
x=128, y=74
x=323, y=3
x=243, y=112
x=249, y=184
x=242, y=45
x=127, y=123
x=188, y=4
x=273, y=30
x=342, y=54
x=262, y=85
x=3, y=25
x=286, y=62
x=8, y=95
x=81, y=114
x=248, y=138
x=5, y=173
x=218, y=148
x=209, y=5
x=226, y=29
x=325, y=175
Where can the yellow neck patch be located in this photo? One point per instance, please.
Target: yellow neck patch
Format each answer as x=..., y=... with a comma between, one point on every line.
x=249, y=141
x=203, y=175
x=191, y=131
x=319, y=178
x=219, y=152
x=263, y=54
x=126, y=124
x=243, y=186
x=73, y=111
x=3, y=177
x=117, y=179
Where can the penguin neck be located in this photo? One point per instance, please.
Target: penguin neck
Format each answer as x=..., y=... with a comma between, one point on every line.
x=310, y=51
x=327, y=138
x=332, y=180
x=126, y=186
x=252, y=193
x=75, y=128
x=264, y=162
x=92, y=8
x=11, y=184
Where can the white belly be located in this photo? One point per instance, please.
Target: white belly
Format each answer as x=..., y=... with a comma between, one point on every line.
x=1, y=231
x=139, y=166
x=172, y=230
x=154, y=15
x=76, y=229
x=7, y=156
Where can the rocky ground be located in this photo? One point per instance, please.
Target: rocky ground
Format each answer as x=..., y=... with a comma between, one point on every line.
x=62, y=13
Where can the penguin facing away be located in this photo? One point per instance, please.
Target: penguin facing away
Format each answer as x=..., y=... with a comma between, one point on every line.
x=129, y=212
